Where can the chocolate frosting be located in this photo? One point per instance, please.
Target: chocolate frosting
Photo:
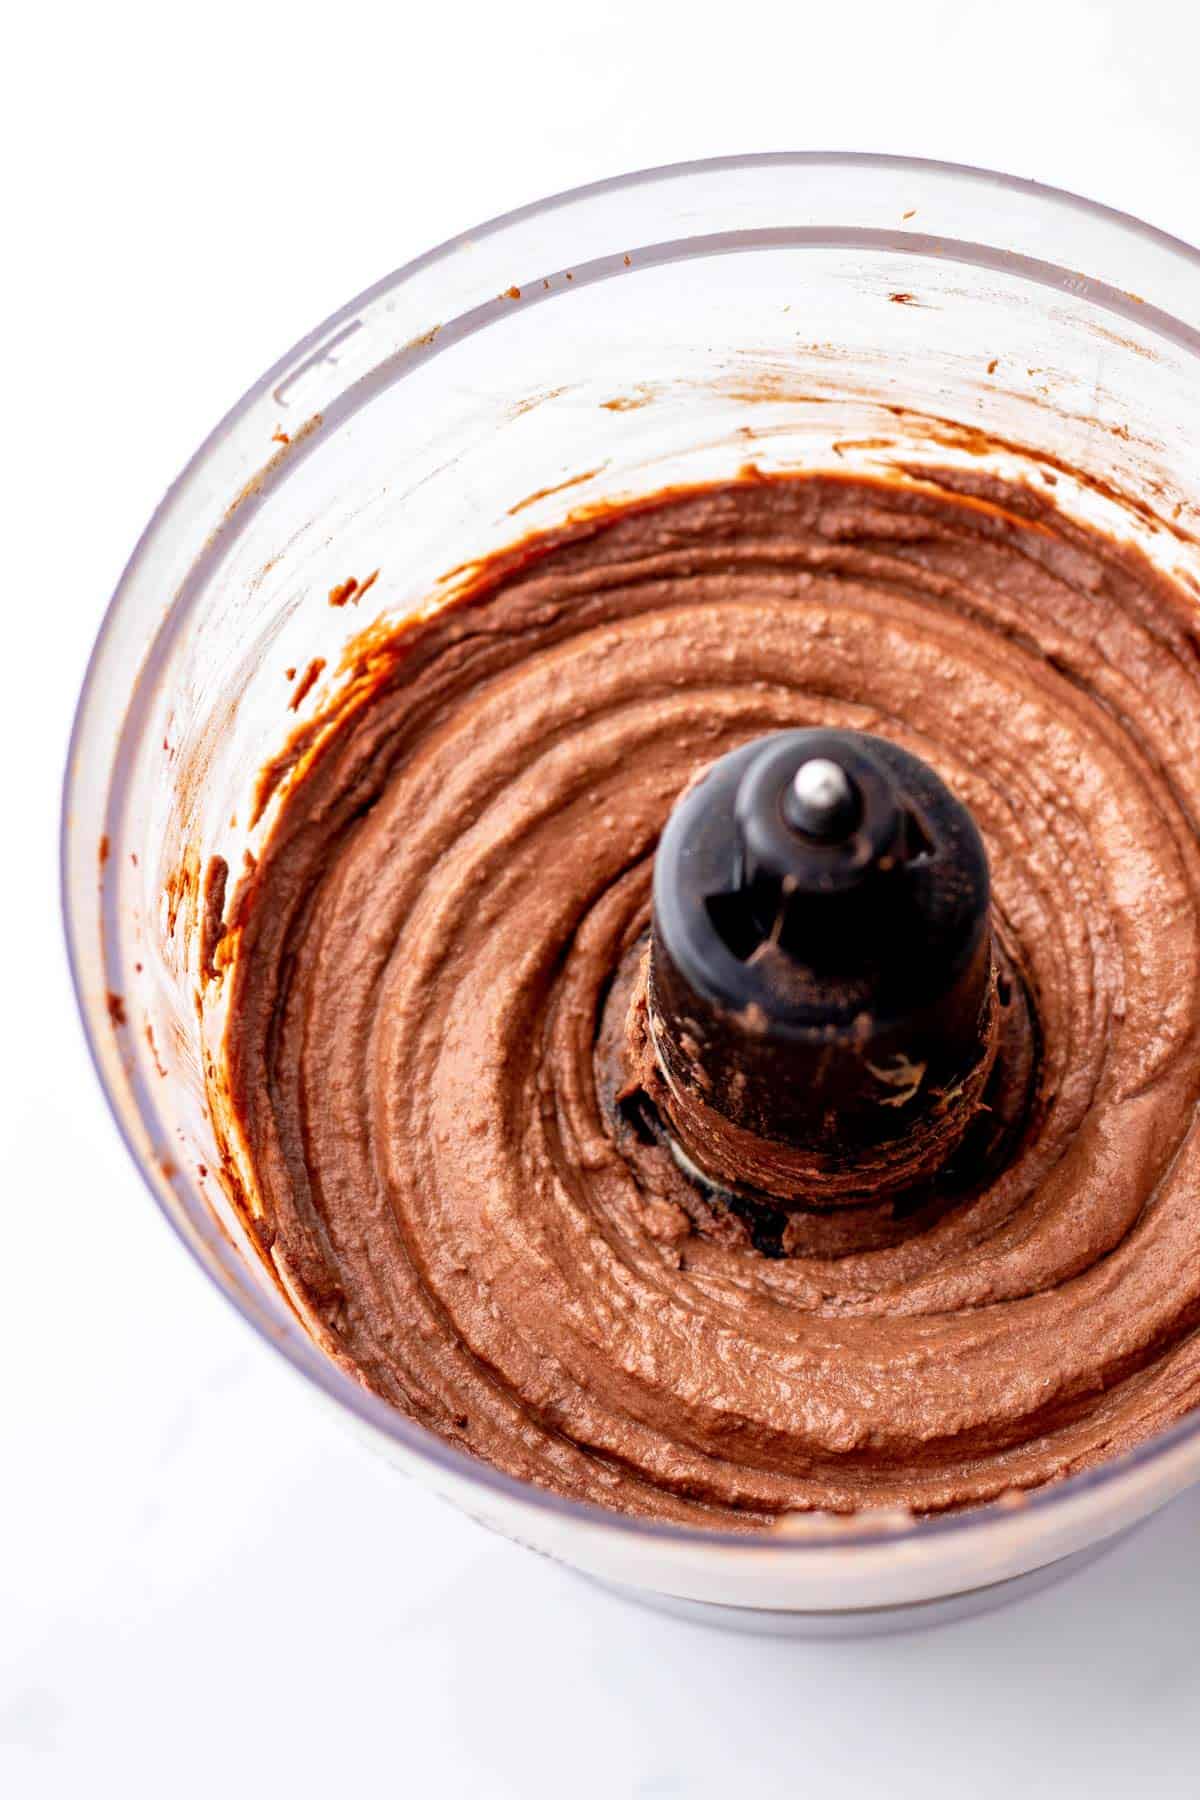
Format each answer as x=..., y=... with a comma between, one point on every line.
x=434, y=1008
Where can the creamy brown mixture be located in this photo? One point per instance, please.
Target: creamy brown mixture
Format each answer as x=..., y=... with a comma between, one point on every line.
x=428, y=947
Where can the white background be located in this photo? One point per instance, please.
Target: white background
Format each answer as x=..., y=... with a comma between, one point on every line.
x=204, y=1585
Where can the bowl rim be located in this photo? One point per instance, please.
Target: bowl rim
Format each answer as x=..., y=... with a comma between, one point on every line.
x=294, y=1343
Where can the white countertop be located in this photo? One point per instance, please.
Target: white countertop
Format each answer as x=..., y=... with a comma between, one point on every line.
x=205, y=1584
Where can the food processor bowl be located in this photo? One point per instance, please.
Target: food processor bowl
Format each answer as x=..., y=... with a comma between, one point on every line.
x=863, y=313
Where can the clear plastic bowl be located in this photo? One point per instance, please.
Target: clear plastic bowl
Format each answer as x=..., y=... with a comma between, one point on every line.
x=795, y=311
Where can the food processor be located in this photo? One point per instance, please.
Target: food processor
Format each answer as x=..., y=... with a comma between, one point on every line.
x=787, y=312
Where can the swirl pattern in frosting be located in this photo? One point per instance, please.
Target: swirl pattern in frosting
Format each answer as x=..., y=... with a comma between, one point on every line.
x=456, y=873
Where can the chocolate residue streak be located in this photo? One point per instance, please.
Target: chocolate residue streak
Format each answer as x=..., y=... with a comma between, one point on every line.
x=289, y=674
x=642, y=395
x=269, y=467
x=182, y=889
x=534, y=400
x=306, y=683
x=212, y=922
x=116, y=1009
x=346, y=590
x=905, y=300
x=280, y=437
x=275, y=771
x=867, y=443
x=974, y=441
x=993, y=365
x=559, y=488
x=776, y=386
x=154, y=1050
x=1095, y=329
x=103, y=850
x=511, y=293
